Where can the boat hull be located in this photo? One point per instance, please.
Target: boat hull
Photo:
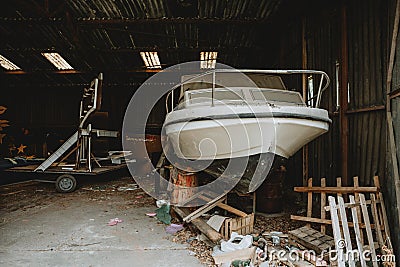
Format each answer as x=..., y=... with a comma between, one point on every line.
x=239, y=137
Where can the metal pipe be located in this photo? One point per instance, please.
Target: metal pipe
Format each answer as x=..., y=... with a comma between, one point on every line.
x=319, y=92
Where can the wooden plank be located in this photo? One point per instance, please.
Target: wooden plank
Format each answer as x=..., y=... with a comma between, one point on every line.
x=350, y=205
x=357, y=199
x=382, y=208
x=368, y=229
x=376, y=220
x=333, y=190
x=226, y=207
x=200, y=211
x=385, y=220
x=323, y=221
x=323, y=204
x=254, y=202
x=213, y=235
x=345, y=227
x=309, y=201
x=367, y=109
x=357, y=231
x=336, y=231
x=339, y=185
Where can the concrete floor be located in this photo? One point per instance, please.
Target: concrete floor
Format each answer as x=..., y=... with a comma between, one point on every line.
x=40, y=227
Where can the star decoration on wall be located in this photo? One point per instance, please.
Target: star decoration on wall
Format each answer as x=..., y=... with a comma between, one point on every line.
x=21, y=148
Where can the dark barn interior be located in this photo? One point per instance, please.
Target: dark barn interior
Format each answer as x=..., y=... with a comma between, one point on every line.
x=355, y=42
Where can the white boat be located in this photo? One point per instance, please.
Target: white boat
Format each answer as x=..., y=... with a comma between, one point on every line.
x=238, y=113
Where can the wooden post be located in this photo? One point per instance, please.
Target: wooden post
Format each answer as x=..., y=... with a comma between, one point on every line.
x=309, y=202
x=304, y=85
x=344, y=123
x=323, y=204
x=391, y=139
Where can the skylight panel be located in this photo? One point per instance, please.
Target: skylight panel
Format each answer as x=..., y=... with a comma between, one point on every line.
x=58, y=61
x=151, y=60
x=7, y=64
x=208, y=60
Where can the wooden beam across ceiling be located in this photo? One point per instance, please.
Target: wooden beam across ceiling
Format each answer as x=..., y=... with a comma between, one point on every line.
x=109, y=21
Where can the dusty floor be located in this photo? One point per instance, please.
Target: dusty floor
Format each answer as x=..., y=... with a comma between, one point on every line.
x=39, y=227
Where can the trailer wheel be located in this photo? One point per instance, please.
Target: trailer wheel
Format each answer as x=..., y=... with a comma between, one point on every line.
x=65, y=183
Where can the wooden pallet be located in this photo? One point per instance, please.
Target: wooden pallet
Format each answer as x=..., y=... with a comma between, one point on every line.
x=312, y=239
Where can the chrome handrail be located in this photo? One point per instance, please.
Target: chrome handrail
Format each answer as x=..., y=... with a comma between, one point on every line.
x=322, y=87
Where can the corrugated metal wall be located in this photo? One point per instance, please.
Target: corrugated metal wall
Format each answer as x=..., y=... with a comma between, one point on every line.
x=367, y=46
x=367, y=64
x=322, y=35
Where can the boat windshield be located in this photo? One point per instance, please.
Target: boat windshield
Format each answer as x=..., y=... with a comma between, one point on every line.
x=271, y=95
x=220, y=94
x=243, y=95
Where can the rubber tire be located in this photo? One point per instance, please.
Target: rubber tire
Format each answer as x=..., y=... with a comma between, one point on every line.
x=65, y=183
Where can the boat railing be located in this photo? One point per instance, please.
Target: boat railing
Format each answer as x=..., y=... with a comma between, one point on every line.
x=313, y=101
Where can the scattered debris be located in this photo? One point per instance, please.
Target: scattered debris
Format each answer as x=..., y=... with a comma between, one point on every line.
x=174, y=228
x=129, y=187
x=114, y=221
x=163, y=214
x=12, y=193
x=236, y=242
x=99, y=188
x=151, y=214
